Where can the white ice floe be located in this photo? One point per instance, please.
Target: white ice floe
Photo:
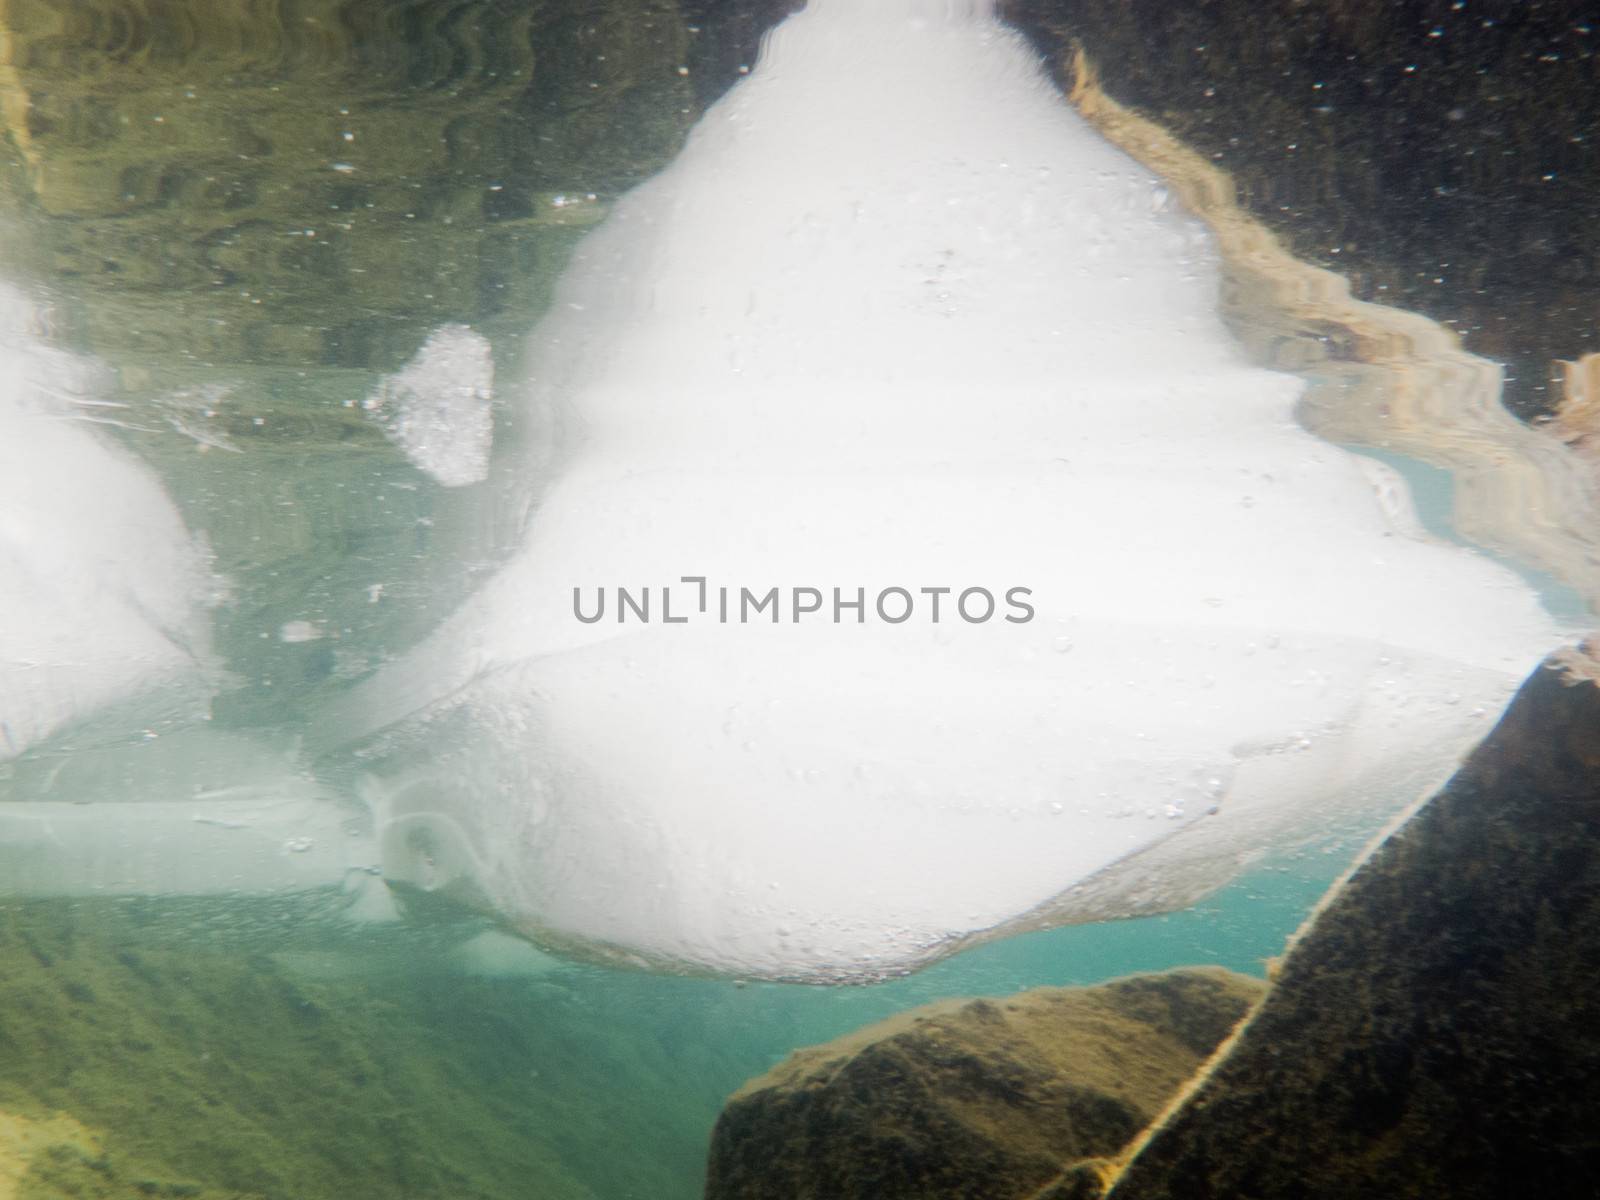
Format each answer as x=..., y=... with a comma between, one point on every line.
x=102, y=588
x=439, y=408
x=896, y=317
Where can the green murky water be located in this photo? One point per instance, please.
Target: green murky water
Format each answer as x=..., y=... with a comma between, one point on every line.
x=248, y=1054
x=249, y=212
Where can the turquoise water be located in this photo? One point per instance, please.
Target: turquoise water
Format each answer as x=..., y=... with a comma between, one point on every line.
x=1433, y=496
x=647, y=1058
x=738, y=1031
x=717, y=1034
x=275, y=1051
x=1239, y=928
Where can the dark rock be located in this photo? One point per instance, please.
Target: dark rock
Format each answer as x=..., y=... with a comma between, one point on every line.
x=1446, y=157
x=985, y=1099
x=1436, y=1032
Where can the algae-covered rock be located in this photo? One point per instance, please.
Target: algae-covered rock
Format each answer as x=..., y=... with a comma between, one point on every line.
x=1436, y=1030
x=159, y=1050
x=24, y=1141
x=981, y=1098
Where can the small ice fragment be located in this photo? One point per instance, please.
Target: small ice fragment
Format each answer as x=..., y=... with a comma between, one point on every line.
x=439, y=407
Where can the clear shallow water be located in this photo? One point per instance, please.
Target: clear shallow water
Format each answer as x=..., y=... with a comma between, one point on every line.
x=250, y=225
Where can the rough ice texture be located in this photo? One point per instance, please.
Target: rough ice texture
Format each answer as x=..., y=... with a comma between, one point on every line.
x=439, y=408
x=898, y=317
x=100, y=582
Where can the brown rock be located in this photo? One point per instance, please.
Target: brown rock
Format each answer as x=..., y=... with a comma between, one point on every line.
x=1440, y=155
x=1436, y=1031
x=981, y=1098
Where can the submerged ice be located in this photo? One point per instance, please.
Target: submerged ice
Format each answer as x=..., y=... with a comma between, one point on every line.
x=897, y=318
x=101, y=584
